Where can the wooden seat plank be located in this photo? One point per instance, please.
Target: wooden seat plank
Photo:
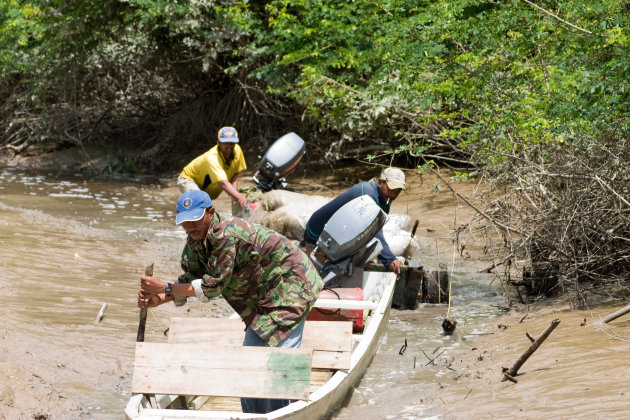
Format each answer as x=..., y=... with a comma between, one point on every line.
x=331, y=342
x=228, y=332
x=201, y=369
x=318, y=335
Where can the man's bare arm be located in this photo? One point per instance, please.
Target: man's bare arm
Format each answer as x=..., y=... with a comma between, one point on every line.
x=231, y=187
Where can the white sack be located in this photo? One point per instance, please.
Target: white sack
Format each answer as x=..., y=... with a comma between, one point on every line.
x=396, y=234
x=287, y=212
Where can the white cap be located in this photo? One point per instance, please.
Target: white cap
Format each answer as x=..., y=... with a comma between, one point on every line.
x=395, y=178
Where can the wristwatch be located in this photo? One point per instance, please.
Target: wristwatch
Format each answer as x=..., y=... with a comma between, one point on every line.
x=168, y=289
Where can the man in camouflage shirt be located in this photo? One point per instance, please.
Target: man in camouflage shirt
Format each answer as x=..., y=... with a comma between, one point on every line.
x=264, y=276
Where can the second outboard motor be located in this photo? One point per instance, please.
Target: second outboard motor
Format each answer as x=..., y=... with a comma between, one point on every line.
x=348, y=237
x=279, y=160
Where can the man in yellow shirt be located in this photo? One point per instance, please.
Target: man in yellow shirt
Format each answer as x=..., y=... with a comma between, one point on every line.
x=217, y=170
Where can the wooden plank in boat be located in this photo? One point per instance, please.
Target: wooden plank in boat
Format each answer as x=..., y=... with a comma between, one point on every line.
x=228, y=332
x=318, y=335
x=331, y=342
x=221, y=404
x=199, y=369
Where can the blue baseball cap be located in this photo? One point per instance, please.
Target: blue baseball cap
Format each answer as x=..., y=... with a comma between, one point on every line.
x=191, y=206
x=228, y=135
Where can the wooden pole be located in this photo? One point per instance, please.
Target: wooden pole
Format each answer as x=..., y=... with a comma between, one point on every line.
x=616, y=315
x=415, y=226
x=148, y=271
x=511, y=373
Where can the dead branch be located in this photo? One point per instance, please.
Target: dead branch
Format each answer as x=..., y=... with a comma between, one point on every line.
x=480, y=212
x=509, y=374
x=616, y=314
x=572, y=211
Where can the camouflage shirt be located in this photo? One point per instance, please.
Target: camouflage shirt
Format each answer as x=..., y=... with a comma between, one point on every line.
x=266, y=278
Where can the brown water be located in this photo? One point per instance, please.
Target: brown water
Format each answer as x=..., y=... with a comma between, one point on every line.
x=69, y=245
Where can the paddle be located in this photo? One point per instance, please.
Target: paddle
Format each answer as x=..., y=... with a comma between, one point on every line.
x=148, y=271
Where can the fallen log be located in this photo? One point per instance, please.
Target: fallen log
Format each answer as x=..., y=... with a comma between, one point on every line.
x=616, y=315
x=509, y=374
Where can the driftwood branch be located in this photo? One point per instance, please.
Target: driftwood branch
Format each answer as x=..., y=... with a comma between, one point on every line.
x=608, y=187
x=431, y=361
x=616, y=315
x=509, y=378
x=511, y=373
x=101, y=313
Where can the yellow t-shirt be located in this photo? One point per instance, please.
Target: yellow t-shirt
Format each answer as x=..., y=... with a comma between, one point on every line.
x=210, y=168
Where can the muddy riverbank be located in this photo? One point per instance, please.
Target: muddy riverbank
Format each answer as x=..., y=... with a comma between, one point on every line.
x=579, y=372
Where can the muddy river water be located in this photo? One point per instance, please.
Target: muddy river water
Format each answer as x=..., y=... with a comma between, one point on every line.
x=71, y=244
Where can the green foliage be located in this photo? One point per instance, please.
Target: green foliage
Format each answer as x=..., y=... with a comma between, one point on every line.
x=426, y=167
x=463, y=176
x=19, y=36
x=436, y=188
x=119, y=162
x=498, y=75
x=76, y=70
x=523, y=88
x=71, y=39
x=487, y=79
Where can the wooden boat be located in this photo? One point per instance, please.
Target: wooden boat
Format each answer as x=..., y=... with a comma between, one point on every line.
x=331, y=371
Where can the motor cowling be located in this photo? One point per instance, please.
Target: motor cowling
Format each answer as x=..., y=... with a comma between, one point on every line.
x=278, y=161
x=347, y=240
x=351, y=228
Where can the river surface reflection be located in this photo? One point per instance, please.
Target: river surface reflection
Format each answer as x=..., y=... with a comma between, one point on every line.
x=71, y=244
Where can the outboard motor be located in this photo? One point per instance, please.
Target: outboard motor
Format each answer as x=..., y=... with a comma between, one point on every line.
x=279, y=160
x=347, y=240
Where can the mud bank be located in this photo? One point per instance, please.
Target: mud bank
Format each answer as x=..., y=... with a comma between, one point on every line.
x=580, y=370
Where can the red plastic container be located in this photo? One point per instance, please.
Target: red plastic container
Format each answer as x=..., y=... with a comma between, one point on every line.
x=334, y=314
